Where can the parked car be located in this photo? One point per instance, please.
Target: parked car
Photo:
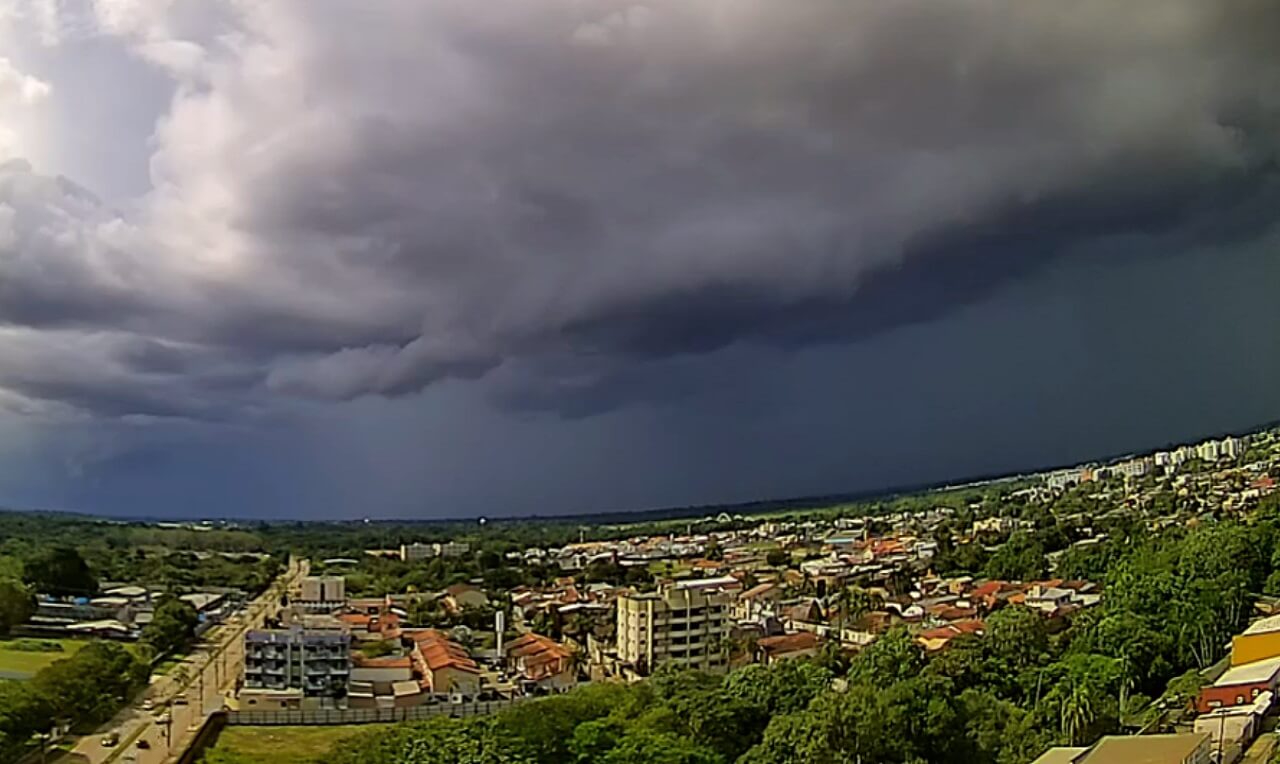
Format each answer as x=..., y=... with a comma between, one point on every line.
x=110, y=739
x=148, y=704
x=143, y=744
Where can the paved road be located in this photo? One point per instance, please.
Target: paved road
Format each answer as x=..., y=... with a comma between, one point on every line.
x=184, y=697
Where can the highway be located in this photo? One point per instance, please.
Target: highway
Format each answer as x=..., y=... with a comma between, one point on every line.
x=185, y=697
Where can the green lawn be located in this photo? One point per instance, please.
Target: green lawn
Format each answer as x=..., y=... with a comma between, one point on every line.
x=15, y=664
x=284, y=745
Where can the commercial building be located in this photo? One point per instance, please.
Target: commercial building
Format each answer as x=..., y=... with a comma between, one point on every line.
x=322, y=594
x=316, y=662
x=684, y=625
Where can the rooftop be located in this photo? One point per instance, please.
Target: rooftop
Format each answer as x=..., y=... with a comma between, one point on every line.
x=1145, y=749
x=1264, y=626
x=1250, y=673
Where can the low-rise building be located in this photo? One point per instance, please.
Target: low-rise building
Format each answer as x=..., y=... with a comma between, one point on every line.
x=541, y=661
x=1258, y=642
x=802, y=644
x=447, y=668
x=461, y=596
x=1240, y=685
x=1183, y=748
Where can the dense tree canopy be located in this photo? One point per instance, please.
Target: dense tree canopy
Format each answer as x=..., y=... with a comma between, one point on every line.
x=60, y=571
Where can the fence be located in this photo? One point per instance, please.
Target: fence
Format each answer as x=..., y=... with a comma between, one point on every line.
x=323, y=716
x=205, y=737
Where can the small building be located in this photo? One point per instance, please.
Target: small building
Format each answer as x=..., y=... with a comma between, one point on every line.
x=462, y=596
x=1258, y=642
x=322, y=594
x=1181, y=748
x=542, y=661
x=446, y=666
x=381, y=673
x=801, y=644
x=1240, y=685
x=1231, y=729
x=757, y=602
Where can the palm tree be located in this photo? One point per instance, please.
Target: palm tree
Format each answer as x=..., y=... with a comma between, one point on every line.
x=1077, y=711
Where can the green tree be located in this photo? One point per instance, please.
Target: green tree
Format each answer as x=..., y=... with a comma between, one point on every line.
x=172, y=626
x=1021, y=558
x=60, y=571
x=16, y=604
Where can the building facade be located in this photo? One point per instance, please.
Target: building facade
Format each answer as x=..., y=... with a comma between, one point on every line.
x=681, y=625
x=322, y=594
x=317, y=662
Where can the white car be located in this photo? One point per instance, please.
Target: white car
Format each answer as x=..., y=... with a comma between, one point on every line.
x=148, y=704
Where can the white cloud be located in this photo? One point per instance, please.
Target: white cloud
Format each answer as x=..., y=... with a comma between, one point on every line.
x=17, y=87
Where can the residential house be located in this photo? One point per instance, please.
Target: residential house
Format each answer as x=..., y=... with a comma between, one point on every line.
x=462, y=596
x=1182, y=748
x=770, y=650
x=758, y=602
x=541, y=661
x=446, y=666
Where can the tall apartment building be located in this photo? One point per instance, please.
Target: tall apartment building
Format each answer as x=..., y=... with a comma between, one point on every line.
x=322, y=594
x=1209, y=451
x=315, y=661
x=683, y=625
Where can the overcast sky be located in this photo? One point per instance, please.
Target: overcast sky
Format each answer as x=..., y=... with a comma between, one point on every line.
x=427, y=258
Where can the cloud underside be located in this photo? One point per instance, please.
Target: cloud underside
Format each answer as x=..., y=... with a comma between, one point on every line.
x=573, y=192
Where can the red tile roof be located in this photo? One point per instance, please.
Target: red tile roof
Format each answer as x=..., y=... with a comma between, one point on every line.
x=788, y=643
x=390, y=661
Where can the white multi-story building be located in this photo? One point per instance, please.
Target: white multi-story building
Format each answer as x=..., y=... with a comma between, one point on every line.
x=684, y=625
x=1232, y=448
x=1135, y=468
x=453, y=549
x=322, y=594
x=1209, y=451
x=417, y=551
x=1062, y=478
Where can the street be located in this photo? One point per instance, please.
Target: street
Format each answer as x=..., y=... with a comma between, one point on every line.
x=185, y=697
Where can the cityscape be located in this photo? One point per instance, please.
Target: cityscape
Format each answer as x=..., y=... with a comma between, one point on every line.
x=259, y=633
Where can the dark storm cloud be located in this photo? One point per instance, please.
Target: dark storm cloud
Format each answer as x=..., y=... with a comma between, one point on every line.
x=571, y=192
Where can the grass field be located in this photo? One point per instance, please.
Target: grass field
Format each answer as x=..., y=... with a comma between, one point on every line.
x=18, y=664
x=285, y=745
